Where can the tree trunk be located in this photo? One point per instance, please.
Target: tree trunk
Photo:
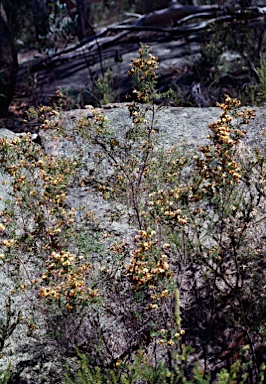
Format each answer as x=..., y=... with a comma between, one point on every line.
x=41, y=21
x=84, y=26
x=8, y=63
x=147, y=6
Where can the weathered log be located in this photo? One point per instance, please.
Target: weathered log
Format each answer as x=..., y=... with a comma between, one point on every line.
x=166, y=16
x=191, y=23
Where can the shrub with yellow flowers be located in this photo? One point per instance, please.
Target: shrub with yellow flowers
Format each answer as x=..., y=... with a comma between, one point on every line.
x=148, y=265
x=143, y=72
x=194, y=250
x=195, y=211
x=41, y=225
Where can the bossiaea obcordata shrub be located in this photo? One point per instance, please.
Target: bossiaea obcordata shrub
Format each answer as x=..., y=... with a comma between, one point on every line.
x=181, y=297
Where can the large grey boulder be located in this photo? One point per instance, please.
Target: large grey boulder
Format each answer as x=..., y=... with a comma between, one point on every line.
x=175, y=125
x=33, y=357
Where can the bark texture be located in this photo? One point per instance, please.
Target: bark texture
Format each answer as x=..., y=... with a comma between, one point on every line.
x=8, y=64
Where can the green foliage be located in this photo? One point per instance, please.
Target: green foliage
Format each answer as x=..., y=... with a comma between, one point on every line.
x=5, y=376
x=256, y=93
x=261, y=99
x=230, y=55
x=102, y=89
x=142, y=371
x=61, y=29
x=262, y=75
x=9, y=323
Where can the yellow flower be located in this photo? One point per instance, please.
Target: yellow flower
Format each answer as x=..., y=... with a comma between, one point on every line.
x=146, y=245
x=7, y=243
x=182, y=220
x=164, y=293
x=118, y=363
x=65, y=263
x=44, y=292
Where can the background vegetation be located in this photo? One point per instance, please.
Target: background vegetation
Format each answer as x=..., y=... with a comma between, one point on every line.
x=229, y=57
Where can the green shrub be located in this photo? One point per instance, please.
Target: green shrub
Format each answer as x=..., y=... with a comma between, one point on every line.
x=197, y=210
x=194, y=249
